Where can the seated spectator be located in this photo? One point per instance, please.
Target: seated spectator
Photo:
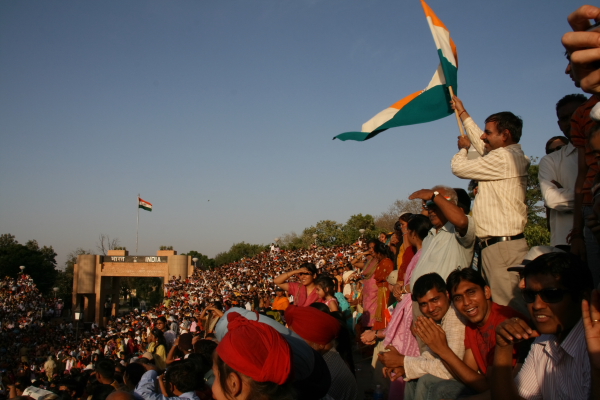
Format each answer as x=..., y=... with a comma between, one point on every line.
x=421, y=372
x=281, y=301
x=178, y=382
x=558, y=365
x=325, y=287
x=320, y=330
x=105, y=373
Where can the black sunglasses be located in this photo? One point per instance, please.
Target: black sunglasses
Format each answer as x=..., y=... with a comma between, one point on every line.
x=547, y=295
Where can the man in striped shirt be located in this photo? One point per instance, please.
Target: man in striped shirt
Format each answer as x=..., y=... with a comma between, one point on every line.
x=558, y=365
x=500, y=211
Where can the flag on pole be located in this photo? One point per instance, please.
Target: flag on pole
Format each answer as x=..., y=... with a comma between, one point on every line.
x=426, y=105
x=146, y=205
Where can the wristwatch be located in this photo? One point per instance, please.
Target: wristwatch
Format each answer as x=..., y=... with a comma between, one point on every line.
x=434, y=194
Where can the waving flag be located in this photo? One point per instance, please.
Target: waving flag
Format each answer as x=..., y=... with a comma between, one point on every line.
x=146, y=205
x=426, y=105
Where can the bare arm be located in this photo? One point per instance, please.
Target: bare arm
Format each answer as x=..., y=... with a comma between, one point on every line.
x=452, y=212
x=281, y=279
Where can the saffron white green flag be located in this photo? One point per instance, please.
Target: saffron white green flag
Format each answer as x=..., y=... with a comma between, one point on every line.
x=146, y=205
x=426, y=105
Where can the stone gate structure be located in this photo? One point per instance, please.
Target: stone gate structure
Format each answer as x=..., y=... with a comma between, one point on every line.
x=96, y=279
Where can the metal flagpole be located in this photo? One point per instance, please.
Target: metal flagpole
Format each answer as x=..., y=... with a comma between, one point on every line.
x=137, y=229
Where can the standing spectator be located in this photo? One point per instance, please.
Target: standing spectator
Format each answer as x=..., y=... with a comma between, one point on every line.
x=500, y=211
x=304, y=292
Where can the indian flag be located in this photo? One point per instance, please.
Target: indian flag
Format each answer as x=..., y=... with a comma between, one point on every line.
x=429, y=104
x=146, y=205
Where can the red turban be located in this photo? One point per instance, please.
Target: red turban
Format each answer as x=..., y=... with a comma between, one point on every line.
x=256, y=350
x=312, y=324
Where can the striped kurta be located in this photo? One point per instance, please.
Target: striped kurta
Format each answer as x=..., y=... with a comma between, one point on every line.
x=500, y=208
x=555, y=370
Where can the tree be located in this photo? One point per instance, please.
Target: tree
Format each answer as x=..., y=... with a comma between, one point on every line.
x=329, y=233
x=203, y=261
x=386, y=220
x=536, y=229
x=106, y=243
x=40, y=263
x=291, y=241
x=239, y=251
x=351, y=231
x=64, y=279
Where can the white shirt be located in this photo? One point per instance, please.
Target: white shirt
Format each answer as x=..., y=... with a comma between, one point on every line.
x=555, y=370
x=560, y=166
x=500, y=208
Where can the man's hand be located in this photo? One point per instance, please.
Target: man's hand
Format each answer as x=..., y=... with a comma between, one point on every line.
x=584, y=48
x=423, y=194
x=393, y=373
x=512, y=331
x=432, y=335
x=391, y=358
x=176, y=342
x=591, y=324
x=457, y=104
x=464, y=142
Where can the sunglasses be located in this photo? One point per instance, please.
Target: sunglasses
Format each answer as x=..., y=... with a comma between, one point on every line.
x=430, y=203
x=547, y=295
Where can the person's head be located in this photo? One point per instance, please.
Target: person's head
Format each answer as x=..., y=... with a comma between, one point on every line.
x=473, y=187
x=556, y=143
x=429, y=291
x=464, y=200
x=105, y=371
x=325, y=286
x=133, y=374
x=120, y=395
x=565, y=109
x=252, y=360
x=156, y=336
x=470, y=294
x=382, y=237
x=437, y=218
x=417, y=229
x=308, y=276
x=318, y=328
x=180, y=378
x=555, y=284
x=403, y=221
x=279, y=292
x=501, y=129
x=381, y=250
x=161, y=323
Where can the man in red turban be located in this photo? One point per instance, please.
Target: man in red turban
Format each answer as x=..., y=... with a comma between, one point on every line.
x=319, y=329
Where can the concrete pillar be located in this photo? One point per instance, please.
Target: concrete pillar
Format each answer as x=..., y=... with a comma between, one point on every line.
x=178, y=266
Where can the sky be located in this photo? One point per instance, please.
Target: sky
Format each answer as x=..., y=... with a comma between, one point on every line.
x=222, y=113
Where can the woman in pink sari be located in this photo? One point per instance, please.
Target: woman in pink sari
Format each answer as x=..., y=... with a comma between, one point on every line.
x=369, y=290
x=398, y=332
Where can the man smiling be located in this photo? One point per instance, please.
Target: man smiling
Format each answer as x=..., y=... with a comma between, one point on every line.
x=557, y=366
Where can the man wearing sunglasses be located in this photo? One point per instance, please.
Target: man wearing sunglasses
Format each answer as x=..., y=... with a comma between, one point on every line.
x=558, y=173
x=557, y=366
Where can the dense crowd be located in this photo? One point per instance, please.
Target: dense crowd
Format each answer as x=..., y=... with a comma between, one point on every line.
x=452, y=304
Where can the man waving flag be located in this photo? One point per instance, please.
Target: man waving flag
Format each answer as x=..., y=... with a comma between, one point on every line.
x=426, y=105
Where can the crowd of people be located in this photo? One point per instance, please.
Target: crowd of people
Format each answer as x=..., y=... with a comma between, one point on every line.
x=452, y=304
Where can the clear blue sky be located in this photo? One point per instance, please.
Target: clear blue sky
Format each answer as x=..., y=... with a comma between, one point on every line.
x=236, y=102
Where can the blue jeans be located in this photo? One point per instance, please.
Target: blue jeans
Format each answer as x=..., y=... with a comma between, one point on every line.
x=429, y=387
x=592, y=249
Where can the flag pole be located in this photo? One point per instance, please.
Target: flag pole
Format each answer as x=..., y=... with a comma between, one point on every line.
x=458, y=121
x=137, y=228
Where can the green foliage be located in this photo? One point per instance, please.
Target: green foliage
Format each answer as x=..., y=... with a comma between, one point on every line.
x=149, y=289
x=239, y=251
x=166, y=247
x=39, y=263
x=329, y=233
x=120, y=248
x=203, y=261
x=536, y=230
x=386, y=220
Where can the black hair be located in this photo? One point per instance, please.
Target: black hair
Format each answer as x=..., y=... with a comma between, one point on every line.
x=572, y=273
x=465, y=274
x=427, y=282
x=509, y=121
x=571, y=98
x=205, y=348
x=326, y=283
x=162, y=319
x=157, y=333
x=106, y=368
x=320, y=306
x=102, y=391
x=134, y=372
x=552, y=139
x=383, y=249
x=464, y=200
x=182, y=374
x=311, y=267
x=202, y=365
x=420, y=225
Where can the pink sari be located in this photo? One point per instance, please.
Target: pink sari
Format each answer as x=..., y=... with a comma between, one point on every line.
x=369, y=293
x=398, y=332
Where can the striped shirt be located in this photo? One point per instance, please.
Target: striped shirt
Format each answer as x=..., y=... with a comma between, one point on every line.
x=429, y=362
x=500, y=208
x=555, y=370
